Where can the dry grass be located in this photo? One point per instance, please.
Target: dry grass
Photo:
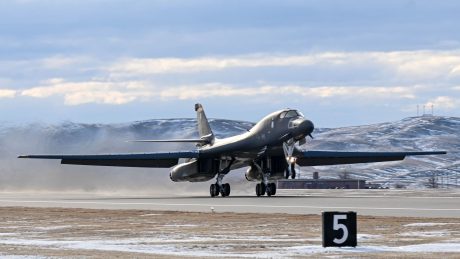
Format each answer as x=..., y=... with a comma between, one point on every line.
x=201, y=234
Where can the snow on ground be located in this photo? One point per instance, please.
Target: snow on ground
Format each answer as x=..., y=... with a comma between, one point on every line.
x=439, y=233
x=127, y=233
x=421, y=248
x=427, y=224
x=144, y=246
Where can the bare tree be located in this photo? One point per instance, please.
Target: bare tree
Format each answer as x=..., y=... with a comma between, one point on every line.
x=433, y=181
x=344, y=175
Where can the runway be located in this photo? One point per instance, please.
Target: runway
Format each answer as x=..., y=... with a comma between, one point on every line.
x=366, y=202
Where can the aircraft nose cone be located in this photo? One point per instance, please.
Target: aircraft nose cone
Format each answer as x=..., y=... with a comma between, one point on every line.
x=307, y=126
x=303, y=126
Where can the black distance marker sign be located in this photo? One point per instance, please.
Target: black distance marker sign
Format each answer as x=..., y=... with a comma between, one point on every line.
x=339, y=228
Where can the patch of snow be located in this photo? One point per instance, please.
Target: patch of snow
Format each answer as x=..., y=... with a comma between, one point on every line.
x=180, y=225
x=151, y=214
x=362, y=237
x=440, y=233
x=22, y=256
x=426, y=224
x=160, y=246
x=53, y=227
x=420, y=248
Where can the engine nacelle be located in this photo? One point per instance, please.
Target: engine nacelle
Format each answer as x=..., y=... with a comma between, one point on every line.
x=277, y=167
x=194, y=171
x=253, y=174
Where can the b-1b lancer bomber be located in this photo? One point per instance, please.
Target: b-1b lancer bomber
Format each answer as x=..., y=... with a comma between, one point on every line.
x=270, y=150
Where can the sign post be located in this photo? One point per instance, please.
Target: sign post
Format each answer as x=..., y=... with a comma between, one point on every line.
x=339, y=228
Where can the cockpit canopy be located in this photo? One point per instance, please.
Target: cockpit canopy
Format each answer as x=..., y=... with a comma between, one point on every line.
x=291, y=114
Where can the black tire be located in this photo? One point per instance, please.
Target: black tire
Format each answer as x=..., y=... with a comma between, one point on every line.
x=273, y=188
x=222, y=190
x=227, y=189
x=258, y=192
x=218, y=189
x=293, y=171
x=212, y=190
x=263, y=189
x=286, y=173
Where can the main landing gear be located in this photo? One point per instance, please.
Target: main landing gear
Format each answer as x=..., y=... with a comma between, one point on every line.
x=262, y=189
x=216, y=189
x=221, y=188
x=265, y=187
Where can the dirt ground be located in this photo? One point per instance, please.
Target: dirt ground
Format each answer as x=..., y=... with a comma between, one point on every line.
x=56, y=232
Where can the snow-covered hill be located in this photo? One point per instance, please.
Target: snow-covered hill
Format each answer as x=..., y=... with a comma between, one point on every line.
x=410, y=134
x=416, y=133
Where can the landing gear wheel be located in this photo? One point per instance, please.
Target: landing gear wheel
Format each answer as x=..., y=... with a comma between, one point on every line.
x=263, y=189
x=260, y=189
x=225, y=190
x=213, y=190
x=293, y=171
x=286, y=174
x=271, y=189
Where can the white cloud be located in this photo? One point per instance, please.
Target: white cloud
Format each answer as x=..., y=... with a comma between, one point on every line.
x=444, y=103
x=404, y=64
x=58, y=62
x=105, y=97
x=422, y=64
x=455, y=71
x=7, y=93
x=76, y=93
x=178, y=65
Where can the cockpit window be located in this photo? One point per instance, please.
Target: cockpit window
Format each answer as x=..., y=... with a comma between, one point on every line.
x=300, y=114
x=283, y=114
x=291, y=114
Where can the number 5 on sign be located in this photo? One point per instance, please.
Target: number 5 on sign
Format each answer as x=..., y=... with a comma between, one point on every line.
x=339, y=228
x=343, y=227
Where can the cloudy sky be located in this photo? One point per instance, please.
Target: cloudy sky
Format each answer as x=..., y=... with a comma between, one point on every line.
x=340, y=62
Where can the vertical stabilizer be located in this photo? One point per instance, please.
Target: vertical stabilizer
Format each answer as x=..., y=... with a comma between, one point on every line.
x=203, y=125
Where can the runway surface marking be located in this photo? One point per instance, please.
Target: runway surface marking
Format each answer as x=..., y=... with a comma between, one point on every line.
x=228, y=205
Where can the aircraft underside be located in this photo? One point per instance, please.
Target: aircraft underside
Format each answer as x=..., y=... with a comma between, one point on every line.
x=265, y=170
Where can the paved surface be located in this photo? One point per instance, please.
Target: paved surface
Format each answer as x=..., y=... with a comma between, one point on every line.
x=437, y=203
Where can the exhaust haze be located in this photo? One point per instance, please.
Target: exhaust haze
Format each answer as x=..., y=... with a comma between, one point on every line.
x=72, y=138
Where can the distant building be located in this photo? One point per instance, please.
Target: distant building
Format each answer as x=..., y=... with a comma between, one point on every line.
x=317, y=183
x=322, y=184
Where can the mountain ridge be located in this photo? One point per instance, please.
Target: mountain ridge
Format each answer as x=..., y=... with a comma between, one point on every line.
x=409, y=134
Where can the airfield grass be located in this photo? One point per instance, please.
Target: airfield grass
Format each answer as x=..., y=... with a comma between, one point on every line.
x=93, y=233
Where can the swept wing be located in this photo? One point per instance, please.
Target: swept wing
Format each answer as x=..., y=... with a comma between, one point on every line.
x=159, y=160
x=317, y=158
